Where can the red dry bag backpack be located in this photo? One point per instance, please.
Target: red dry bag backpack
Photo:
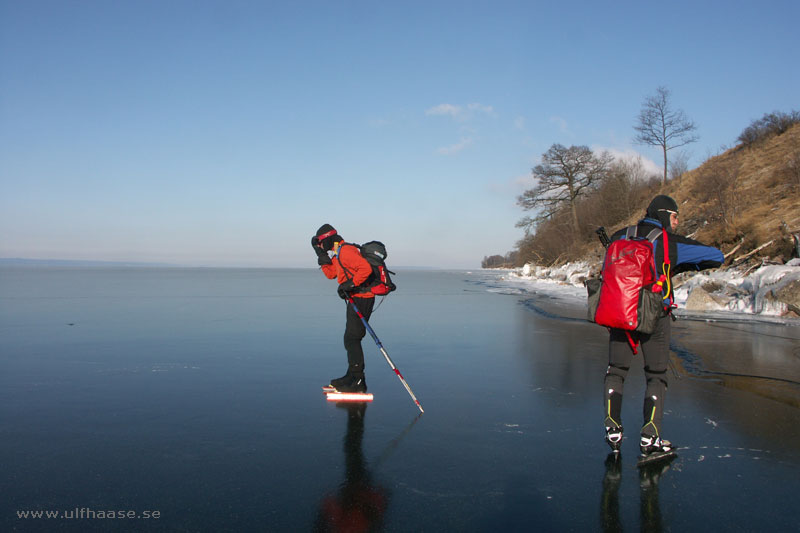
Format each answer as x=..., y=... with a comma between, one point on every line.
x=629, y=295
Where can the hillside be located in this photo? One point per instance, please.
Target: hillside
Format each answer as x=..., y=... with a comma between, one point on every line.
x=744, y=198
x=745, y=201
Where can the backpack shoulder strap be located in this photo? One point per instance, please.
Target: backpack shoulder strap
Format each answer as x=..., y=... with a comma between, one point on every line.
x=664, y=282
x=654, y=234
x=630, y=232
x=356, y=246
x=347, y=273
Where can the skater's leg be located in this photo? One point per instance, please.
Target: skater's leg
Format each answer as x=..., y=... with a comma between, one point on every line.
x=655, y=350
x=354, y=332
x=619, y=362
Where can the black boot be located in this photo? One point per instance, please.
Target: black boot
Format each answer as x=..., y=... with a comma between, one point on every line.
x=614, y=437
x=651, y=444
x=353, y=384
x=338, y=382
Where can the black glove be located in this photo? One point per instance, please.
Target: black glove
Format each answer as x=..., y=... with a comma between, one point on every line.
x=344, y=288
x=322, y=255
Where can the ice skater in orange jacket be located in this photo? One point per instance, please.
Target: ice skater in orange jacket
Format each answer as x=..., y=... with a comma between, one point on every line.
x=351, y=270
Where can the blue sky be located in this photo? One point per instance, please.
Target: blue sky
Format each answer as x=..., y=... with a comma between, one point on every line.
x=224, y=133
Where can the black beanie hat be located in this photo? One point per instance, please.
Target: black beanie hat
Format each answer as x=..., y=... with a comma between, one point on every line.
x=659, y=209
x=327, y=236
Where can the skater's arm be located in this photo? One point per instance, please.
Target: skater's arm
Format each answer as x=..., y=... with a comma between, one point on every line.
x=329, y=271
x=355, y=265
x=693, y=255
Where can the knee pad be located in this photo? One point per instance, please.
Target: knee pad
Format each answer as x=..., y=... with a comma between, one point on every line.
x=654, y=378
x=618, y=371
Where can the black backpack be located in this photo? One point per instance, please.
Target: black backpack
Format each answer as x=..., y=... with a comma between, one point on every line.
x=379, y=282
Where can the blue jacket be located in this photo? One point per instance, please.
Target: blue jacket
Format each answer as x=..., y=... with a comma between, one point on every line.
x=684, y=253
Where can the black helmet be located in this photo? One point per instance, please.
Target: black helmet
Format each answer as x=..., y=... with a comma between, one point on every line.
x=660, y=209
x=326, y=235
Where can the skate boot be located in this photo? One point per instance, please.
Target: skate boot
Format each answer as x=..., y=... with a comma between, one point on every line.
x=353, y=384
x=654, y=448
x=338, y=382
x=652, y=444
x=614, y=437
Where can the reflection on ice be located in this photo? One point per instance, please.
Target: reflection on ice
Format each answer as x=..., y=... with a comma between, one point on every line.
x=359, y=504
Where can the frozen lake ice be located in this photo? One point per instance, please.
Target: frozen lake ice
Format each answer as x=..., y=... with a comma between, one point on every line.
x=196, y=393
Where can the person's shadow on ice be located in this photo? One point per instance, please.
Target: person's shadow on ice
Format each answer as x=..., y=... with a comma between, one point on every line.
x=358, y=504
x=649, y=507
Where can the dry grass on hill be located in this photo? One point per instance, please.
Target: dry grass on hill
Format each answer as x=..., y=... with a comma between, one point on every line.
x=745, y=201
x=744, y=198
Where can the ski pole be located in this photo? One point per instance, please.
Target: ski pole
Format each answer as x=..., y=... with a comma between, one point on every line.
x=383, y=351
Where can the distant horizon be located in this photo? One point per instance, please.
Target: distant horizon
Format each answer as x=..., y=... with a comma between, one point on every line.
x=23, y=261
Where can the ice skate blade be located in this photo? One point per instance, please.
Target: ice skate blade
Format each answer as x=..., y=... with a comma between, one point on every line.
x=328, y=388
x=349, y=396
x=655, y=457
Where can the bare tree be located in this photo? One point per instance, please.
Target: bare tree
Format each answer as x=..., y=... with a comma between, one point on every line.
x=619, y=195
x=661, y=125
x=565, y=175
x=679, y=164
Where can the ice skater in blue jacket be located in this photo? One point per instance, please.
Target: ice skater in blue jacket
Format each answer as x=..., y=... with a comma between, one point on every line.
x=684, y=254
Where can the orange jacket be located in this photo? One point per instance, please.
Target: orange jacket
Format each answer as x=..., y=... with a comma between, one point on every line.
x=358, y=269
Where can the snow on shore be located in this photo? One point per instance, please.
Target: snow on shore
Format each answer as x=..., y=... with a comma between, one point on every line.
x=769, y=291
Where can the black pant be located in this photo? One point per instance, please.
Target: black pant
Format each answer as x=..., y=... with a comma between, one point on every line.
x=655, y=351
x=354, y=331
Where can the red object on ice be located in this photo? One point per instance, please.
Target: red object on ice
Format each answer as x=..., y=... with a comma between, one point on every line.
x=628, y=268
x=349, y=397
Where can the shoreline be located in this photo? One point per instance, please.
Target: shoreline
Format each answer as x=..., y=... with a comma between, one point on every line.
x=769, y=294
